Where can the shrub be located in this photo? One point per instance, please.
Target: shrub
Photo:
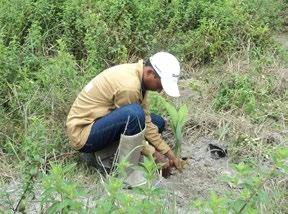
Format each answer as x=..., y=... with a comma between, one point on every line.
x=238, y=92
x=60, y=195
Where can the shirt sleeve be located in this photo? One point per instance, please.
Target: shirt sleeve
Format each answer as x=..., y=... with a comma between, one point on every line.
x=152, y=134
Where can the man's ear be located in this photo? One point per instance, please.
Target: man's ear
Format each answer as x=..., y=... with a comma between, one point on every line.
x=150, y=70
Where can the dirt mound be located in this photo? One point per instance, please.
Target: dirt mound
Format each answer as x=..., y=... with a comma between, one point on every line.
x=201, y=175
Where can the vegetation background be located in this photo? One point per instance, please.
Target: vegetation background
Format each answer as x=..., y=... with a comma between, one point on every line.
x=233, y=64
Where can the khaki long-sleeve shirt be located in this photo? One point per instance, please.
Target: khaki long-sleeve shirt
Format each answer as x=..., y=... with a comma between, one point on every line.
x=117, y=86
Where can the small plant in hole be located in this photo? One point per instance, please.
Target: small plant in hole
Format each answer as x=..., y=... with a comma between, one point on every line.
x=177, y=121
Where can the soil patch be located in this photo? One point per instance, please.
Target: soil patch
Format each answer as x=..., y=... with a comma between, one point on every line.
x=201, y=176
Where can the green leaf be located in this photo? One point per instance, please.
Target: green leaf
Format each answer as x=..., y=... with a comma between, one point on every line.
x=182, y=115
x=173, y=115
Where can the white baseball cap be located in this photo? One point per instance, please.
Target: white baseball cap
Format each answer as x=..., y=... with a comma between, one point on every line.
x=168, y=68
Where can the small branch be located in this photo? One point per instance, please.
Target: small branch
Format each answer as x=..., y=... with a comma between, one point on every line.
x=25, y=191
x=65, y=155
x=256, y=190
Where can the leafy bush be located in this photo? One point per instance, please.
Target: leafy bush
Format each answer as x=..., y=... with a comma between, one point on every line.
x=201, y=30
x=63, y=196
x=239, y=92
x=224, y=27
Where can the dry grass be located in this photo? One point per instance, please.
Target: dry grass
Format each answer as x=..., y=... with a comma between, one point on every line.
x=8, y=172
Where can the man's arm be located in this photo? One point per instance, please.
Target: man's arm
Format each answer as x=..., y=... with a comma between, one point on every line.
x=152, y=134
x=154, y=138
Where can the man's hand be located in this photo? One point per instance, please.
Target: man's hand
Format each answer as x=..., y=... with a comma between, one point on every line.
x=164, y=163
x=174, y=161
x=161, y=159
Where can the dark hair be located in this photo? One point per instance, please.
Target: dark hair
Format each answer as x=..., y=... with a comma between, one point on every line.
x=147, y=63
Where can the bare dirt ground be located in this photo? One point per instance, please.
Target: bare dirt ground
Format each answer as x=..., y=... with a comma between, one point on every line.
x=202, y=174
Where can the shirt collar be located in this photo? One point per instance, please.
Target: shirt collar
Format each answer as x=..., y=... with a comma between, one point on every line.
x=140, y=68
x=143, y=88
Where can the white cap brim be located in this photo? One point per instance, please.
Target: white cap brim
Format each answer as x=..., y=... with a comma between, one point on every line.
x=170, y=86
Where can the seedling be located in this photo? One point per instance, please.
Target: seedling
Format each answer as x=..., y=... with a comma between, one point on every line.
x=177, y=121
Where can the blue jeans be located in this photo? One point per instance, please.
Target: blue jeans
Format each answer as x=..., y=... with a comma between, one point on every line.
x=128, y=120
